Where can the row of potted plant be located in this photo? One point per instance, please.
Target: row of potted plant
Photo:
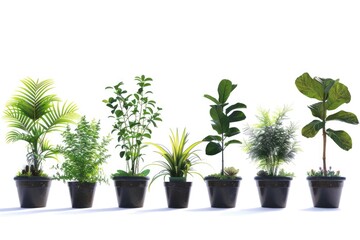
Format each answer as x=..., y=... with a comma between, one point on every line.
x=33, y=113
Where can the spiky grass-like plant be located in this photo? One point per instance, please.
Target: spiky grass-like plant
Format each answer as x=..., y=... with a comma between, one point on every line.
x=32, y=113
x=179, y=159
x=270, y=142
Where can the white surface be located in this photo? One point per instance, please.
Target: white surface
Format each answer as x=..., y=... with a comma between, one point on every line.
x=187, y=47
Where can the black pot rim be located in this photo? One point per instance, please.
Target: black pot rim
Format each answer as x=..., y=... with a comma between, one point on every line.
x=81, y=183
x=210, y=178
x=31, y=178
x=322, y=178
x=130, y=178
x=273, y=178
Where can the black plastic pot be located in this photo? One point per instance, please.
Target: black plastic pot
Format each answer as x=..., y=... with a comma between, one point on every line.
x=33, y=191
x=326, y=191
x=273, y=191
x=130, y=191
x=81, y=194
x=177, y=194
x=222, y=193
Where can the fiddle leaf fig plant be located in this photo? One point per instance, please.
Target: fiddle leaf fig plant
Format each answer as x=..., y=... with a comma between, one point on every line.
x=223, y=115
x=134, y=116
x=330, y=95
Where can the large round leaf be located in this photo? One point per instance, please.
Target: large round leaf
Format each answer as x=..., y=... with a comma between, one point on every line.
x=309, y=87
x=338, y=95
x=212, y=148
x=344, y=116
x=341, y=138
x=312, y=128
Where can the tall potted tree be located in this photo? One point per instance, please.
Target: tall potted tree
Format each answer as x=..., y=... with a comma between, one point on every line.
x=223, y=187
x=271, y=144
x=84, y=152
x=326, y=184
x=32, y=114
x=134, y=115
x=177, y=164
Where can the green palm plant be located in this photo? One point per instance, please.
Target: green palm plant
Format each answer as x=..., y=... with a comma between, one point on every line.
x=178, y=160
x=272, y=143
x=32, y=113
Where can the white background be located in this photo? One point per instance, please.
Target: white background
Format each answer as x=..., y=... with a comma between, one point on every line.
x=187, y=47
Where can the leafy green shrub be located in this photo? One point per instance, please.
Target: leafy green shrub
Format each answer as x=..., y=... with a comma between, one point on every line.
x=84, y=152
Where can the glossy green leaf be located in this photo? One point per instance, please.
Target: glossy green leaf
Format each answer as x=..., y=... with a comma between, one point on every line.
x=317, y=110
x=232, y=142
x=232, y=132
x=211, y=99
x=344, y=116
x=309, y=87
x=312, y=128
x=236, y=116
x=338, y=95
x=212, y=148
x=224, y=89
x=341, y=138
x=212, y=138
x=220, y=120
x=235, y=106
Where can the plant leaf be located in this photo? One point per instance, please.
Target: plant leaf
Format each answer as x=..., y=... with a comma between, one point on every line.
x=344, y=116
x=220, y=120
x=310, y=87
x=235, y=106
x=212, y=138
x=317, y=110
x=312, y=128
x=341, y=138
x=236, y=116
x=338, y=95
x=212, y=148
x=232, y=142
x=212, y=99
x=224, y=89
x=232, y=132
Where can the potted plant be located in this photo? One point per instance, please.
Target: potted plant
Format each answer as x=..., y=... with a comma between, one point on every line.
x=32, y=114
x=271, y=144
x=84, y=152
x=134, y=116
x=326, y=184
x=223, y=187
x=177, y=164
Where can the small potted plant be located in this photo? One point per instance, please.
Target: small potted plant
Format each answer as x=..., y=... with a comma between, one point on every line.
x=326, y=184
x=271, y=144
x=223, y=187
x=134, y=116
x=177, y=164
x=84, y=152
x=33, y=113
